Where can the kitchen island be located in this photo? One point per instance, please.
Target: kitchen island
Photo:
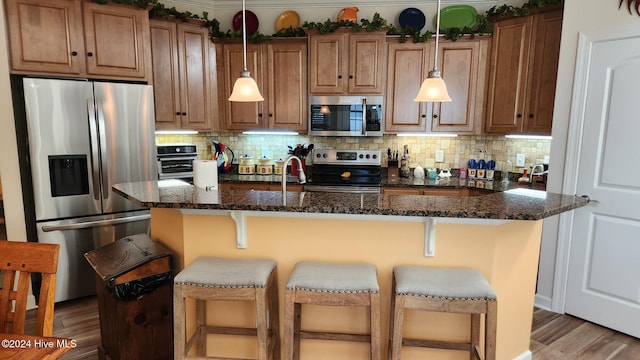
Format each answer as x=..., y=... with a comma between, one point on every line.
x=498, y=234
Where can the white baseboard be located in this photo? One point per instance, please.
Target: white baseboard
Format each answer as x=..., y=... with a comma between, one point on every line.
x=524, y=356
x=543, y=302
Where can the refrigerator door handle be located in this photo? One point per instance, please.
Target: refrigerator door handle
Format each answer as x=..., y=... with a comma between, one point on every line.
x=95, y=157
x=90, y=224
x=106, y=187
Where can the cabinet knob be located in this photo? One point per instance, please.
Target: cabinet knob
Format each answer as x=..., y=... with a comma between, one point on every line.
x=270, y=115
x=435, y=116
x=530, y=116
x=339, y=76
x=260, y=115
x=519, y=116
x=74, y=53
x=89, y=54
x=423, y=116
x=184, y=114
x=178, y=113
x=350, y=76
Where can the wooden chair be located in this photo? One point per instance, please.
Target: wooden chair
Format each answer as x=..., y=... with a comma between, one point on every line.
x=17, y=261
x=330, y=284
x=463, y=291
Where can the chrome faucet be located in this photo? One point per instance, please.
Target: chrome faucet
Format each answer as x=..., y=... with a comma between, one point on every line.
x=540, y=172
x=301, y=176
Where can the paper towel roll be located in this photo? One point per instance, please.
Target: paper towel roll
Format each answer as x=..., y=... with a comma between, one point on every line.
x=205, y=174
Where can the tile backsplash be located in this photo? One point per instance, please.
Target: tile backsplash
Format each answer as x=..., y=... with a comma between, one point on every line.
x=457, y=150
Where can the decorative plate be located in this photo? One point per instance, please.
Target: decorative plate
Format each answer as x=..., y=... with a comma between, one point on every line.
x=288, y=19
x=252, y=22
x=412, y=17
x=457, y=16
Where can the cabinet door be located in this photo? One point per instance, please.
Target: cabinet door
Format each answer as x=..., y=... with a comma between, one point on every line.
x=460, y=65
x=406, y=69
x=543, y=73
x=241, y=115
x=507, y=75
x=287, y=73
x=45, y=36
x=195, y=90
x=328, y=61
x=115, y=40
x=166, y=84
x=367, y=54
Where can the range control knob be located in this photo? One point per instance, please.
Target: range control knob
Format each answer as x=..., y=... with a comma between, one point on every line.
x=318, y=155
x=375, y=156
x=324, y=155
x=360, y=156
x=368, y=156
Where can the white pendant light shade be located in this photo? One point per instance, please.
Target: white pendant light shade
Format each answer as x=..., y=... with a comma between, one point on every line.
x=433, y=89
x=245, y=89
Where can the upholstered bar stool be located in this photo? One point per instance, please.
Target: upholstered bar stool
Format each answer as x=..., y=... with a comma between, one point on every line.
x=332, y=284
x=211, y=278
x=443, y=290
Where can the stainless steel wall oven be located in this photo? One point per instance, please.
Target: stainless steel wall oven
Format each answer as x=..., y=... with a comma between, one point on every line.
x=175, y=161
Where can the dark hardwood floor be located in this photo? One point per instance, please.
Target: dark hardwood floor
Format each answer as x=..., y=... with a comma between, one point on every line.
x=554, y=336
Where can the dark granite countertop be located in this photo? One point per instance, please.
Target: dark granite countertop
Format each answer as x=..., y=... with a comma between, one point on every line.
x=532, y=205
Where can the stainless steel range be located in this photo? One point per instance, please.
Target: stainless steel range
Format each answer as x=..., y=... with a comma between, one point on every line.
x=353, y=171
x=175, y=161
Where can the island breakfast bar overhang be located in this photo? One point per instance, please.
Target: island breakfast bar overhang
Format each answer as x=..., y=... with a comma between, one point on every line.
x=500, y=245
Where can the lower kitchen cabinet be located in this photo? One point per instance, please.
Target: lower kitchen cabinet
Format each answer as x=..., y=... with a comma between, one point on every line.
x=454, y=192
x=280, y=70
x=182, y=78
x=258, y=187
x=463, y=64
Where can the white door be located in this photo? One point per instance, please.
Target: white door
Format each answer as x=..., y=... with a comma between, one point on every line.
x=604, y=263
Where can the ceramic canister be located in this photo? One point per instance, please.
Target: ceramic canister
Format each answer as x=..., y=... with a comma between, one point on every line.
x=264, y=167
x=278, y=167
x=246, y=166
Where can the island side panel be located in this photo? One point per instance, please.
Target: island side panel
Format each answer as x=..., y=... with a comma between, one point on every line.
x=506, y=254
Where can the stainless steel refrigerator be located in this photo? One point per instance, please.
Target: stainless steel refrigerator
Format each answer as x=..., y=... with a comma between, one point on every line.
x=83, y=137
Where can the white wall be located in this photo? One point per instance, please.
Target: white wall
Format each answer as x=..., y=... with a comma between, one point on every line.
x=9, y=169
x=579, y=15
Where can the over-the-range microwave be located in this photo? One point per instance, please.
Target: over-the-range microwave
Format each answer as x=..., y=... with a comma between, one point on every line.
x=346, y=115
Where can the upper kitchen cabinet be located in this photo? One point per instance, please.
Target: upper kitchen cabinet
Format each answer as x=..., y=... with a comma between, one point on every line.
x=463, y=65
x=78, y=38
x=183, y=90
x=407, y=66
x=280, y=70
x=344, y=62
x=522, y=75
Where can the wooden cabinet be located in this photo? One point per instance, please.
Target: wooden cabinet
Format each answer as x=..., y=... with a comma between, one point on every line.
x=455, y=192
x=78, y=38
x=463, y=65
x=344, y=62
x=280, y=70
x=522, y=75
x=258, y=187
x=183, y=90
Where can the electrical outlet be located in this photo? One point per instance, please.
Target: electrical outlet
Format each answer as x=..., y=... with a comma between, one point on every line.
x=439, y=156
x=520, y=160
x=546, y=160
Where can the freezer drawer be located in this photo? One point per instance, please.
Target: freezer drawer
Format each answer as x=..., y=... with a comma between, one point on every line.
x=75, y=277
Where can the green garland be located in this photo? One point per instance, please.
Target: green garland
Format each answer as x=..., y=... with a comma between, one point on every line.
x=484, y=23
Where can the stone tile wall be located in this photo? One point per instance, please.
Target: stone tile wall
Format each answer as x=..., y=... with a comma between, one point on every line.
x=457, y=151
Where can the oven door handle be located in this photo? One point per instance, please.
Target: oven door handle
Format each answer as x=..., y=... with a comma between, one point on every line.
x=169, y=158
x=364, y=116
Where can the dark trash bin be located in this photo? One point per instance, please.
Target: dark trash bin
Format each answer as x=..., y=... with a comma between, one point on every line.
x=135, y=299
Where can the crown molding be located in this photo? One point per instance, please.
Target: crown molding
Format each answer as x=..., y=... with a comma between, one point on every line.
x=275, y=4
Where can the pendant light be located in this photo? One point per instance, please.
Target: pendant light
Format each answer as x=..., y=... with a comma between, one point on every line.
x=245, y=88
x=433, y=88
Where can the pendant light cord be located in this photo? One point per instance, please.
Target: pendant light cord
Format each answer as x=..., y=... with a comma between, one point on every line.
x=244, y=36
x=435, y=64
